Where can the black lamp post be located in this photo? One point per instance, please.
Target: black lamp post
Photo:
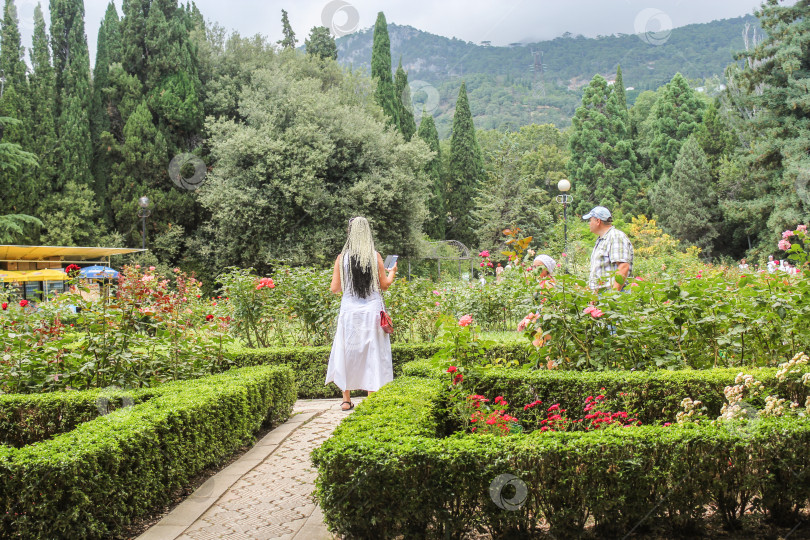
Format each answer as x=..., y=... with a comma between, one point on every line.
x=144, y=210
x=565, y=199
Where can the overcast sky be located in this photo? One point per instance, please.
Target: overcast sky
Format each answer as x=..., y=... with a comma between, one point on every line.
x=499, y=21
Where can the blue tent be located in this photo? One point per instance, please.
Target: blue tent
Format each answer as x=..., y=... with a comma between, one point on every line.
x=98, y=272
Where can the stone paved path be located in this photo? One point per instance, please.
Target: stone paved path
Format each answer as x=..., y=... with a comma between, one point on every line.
x=265, y=494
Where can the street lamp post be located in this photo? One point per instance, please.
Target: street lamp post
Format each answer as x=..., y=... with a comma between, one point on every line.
x=144, y=210
x=565, y=199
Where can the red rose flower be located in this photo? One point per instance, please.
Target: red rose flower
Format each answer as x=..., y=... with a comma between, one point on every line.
x=209, y=317
x=23, y=303
x=5, y=305
x=452, y=369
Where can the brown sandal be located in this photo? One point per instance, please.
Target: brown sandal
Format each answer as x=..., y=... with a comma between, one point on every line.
x=350, y=407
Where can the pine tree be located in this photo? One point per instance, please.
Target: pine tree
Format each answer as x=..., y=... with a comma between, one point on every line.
x=685, y=202
x=71, y=63
x=11, y=52
x=289, y=36
x=715, y=137
x=321, y=43
x=437, y=216
x=465, y=172
x=381, y=70
x=42, y=89
x=402, y=93
x=133, y=38
x=676, y=115
x=603, y=163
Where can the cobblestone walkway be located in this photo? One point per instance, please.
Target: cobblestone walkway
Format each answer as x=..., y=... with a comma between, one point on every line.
x=265, y=494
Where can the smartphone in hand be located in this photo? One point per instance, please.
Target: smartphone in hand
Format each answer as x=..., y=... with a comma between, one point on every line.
x=390, y=261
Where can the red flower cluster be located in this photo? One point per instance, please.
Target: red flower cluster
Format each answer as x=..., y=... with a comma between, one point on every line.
x=265, y=282
x=532, y=404
x=72, y=270
x=600, y=418
x=209, y=317
x=4, y=306
x=23, y=303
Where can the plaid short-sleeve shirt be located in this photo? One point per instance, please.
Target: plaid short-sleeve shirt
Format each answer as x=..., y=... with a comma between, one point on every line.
x=611, y=248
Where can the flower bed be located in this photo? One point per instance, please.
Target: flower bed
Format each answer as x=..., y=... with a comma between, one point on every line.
x=94, y=480
x=396, y=466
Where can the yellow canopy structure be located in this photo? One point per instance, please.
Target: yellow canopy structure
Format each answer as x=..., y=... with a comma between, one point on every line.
x=10, y=275
x=61, y=253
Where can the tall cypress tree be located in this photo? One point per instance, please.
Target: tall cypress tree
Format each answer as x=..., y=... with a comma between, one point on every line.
x=133, y=38
x=381, y=70
x=465, y=174
x=43, y=105
x=437, y=216
x=71, y=61
x=289, y=36
x=402, y=93
x=108, y=51
x=618, y=88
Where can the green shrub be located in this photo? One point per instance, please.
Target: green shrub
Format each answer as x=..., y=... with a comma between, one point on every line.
x=94, y=480
x=387, y=470
x=309, y=363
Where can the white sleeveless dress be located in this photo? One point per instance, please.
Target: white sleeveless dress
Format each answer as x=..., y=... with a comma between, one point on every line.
x=361, y=352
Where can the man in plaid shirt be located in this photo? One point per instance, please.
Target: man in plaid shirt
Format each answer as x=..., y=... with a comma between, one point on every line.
x=612, y=253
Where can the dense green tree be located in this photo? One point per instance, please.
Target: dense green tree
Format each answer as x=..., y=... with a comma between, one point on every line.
x=320, y=43
x=464, y=174
x=71, y=63
x=288, y=42
x=437, y=215
x=381, y=71
x=133, y=38
x=676, y=115
x=716, y=138
x=685, y=201
x=779, y=157
x=289, y=173
x=14, y=162
x=402, y=93
x=602, y=167
x=508, y=197
x=12, y=227
x=70, y=218
x=139, y=168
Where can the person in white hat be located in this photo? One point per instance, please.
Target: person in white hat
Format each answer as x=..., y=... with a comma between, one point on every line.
x=612, y=254
x=546, y=263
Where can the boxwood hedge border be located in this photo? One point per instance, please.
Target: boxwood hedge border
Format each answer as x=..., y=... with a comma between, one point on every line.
x=388, y=469
x=92, y=481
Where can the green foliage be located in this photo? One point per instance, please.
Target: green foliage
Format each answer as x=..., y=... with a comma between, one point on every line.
x=12, y=225
x=292, y=172
x=381, y=71
x=71, y=218
x=94, y=480
x=465, y=173
x=320, y=43
x=685, y=201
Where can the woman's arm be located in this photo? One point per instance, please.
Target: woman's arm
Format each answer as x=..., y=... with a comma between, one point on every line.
x=336, y=287
x=385, y=279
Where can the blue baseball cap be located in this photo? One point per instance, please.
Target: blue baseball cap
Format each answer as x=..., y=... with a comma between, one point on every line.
x=599, y=212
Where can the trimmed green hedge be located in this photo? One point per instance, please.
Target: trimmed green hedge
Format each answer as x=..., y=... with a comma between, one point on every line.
x=309, y=363
x=387, y=470
x=94, y=480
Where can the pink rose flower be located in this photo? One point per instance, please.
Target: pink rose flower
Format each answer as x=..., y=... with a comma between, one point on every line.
x=801, y=228
x=787, y=234
x=784, y=245
x=484, y=253
x=465, y=320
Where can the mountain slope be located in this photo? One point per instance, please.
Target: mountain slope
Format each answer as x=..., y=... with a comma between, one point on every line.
x=505, y=90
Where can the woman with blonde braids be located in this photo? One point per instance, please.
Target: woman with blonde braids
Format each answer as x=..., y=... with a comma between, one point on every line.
x=361, y=353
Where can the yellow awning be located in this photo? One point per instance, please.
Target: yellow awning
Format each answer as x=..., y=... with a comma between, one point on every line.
x=65, y=253
x=46, y=274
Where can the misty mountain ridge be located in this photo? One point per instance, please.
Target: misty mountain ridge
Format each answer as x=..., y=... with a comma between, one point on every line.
x=541, y=82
